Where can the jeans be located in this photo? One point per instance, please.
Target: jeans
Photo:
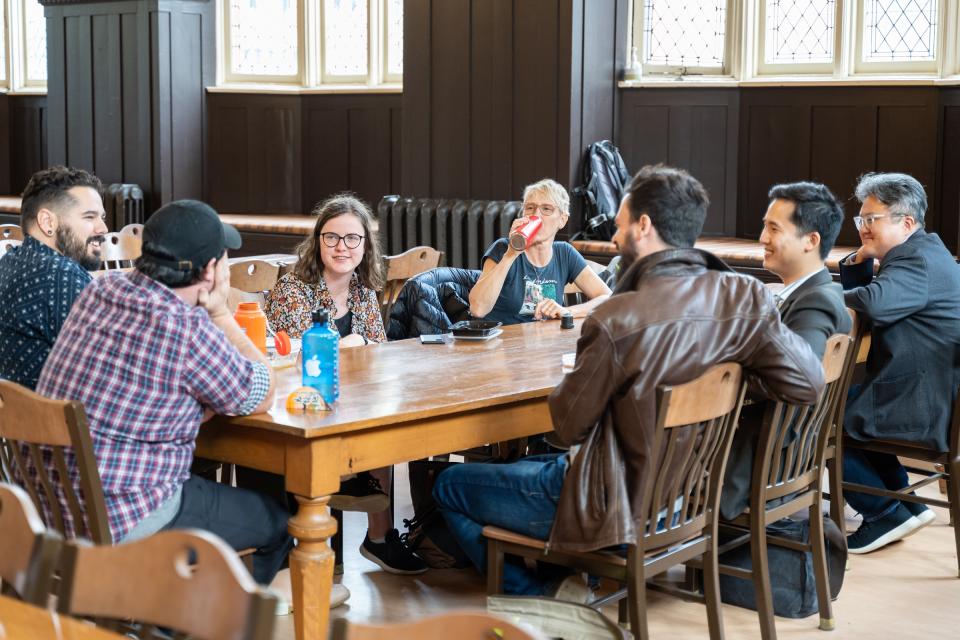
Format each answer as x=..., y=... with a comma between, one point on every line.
x=243, y=518
x=521, y=497
x=881, y=470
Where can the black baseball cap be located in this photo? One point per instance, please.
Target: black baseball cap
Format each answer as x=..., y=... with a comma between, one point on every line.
x=185, y=234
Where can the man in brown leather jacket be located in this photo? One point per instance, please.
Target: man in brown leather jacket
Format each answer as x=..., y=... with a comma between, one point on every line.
x=676, y=312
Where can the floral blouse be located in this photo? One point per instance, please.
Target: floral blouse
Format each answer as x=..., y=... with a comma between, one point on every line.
x=291, y=303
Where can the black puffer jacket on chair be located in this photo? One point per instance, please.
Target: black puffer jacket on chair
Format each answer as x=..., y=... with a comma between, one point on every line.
x=431, y=302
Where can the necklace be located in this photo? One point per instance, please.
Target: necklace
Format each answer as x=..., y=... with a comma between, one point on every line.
x=538, y=271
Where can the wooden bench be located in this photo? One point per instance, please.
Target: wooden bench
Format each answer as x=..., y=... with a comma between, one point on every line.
x=269, y=233
x=9, y=209
x=741, y=254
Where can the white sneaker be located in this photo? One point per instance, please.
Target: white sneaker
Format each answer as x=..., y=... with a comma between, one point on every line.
x=338, y=595
x=573, y=589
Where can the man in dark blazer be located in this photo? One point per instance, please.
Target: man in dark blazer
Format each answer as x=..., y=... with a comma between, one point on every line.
x=912, y=372
x=799, y=229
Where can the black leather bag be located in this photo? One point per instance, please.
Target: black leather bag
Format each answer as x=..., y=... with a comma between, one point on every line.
x=791, y=572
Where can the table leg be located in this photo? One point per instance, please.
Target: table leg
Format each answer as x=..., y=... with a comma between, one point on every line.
x=311, y=567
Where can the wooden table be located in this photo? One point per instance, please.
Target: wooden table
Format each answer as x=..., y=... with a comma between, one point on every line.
x=399, y=401
x=20, y=621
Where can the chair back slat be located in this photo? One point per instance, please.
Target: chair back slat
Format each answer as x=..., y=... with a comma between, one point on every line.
x=189, y=581
x=8, y=245
x=132, y=229
x=695, y=423
x=37, y=429
x=119, y=250
x=11, y=232
x=402, y=267
x=30, y=552
x=465, y=625
x=254, y=276
x=793, y=440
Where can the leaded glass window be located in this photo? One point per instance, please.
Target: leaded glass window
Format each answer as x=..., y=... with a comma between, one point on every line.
x=264, y=38
x=345, y=30
x=36, y=41
x=394, y=29
x=3, y=42
x=684, y=33
x=800, y=31
x=899, y=30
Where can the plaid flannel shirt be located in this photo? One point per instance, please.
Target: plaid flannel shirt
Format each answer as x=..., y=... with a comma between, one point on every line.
x=145, y=365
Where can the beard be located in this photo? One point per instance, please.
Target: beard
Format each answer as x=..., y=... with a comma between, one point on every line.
x=628, y=255
x=76, y=248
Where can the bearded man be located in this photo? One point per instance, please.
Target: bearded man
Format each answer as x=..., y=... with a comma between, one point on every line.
x=63, y=223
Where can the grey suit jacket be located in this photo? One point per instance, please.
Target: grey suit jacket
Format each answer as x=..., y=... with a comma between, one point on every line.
x=815, y=311
x=913, y=368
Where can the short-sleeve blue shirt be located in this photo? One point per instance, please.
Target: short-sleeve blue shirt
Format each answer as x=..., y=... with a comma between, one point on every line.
x=38, y=286
x=526, y=285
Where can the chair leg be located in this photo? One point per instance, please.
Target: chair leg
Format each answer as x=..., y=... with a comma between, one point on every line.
x=494, y=567
x=711, y=591
x=637, y=606
x=835, y=470
x=623, y=611
x=953, y=494
x=818, y=548
x=761, y=580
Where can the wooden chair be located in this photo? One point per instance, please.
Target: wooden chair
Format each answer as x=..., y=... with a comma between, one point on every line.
x=134, y=229
x=946, y=468
x=466, y=625
x=10, y=232
x=695, y=424
x=30, y=552
x=7, y=245
x=249, y=280
x=788, y=477
x=119, y=250
x=28, y=421
x=188, y=580
x=401, y=268
x=834, y=461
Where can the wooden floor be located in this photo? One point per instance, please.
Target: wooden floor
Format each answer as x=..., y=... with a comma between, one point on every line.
x=909, y=589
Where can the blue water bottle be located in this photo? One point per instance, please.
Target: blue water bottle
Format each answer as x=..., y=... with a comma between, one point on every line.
x=321, y=358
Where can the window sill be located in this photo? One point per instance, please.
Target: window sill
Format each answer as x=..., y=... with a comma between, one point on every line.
x=788, y=81
x=300, y=90
x=25, y=91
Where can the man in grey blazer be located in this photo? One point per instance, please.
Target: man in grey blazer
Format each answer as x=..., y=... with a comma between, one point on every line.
x=799, y=229
x=912, y=371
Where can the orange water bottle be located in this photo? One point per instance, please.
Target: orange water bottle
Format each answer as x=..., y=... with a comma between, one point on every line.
x=253, y=320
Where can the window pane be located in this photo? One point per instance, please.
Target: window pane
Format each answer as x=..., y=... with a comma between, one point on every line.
x=799, y=31
x=687, y=33
x=395, y=37
x=36, y=38
x=345, y=37
x=3, y=41
x=899, y=30
x=263, y=37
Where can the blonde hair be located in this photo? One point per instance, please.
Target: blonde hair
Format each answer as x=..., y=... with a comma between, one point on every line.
x=554, y=191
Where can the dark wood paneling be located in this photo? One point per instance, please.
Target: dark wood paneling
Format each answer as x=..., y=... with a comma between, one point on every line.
x=949, y=162
x=108, y=96
x=417, y=77
x=80, y=122
x=28, y=139
x=285, y=153
x=5, y=145
x=693, y=129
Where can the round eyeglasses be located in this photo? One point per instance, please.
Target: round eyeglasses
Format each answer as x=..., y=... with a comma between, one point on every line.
x=350, y=241
x=531, y=208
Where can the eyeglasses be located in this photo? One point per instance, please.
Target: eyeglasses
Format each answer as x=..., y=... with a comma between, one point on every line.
x=531, y=208
x=867, y=221
x=350, y=241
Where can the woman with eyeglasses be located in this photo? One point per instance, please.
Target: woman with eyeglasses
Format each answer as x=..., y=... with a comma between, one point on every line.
x=340, y=270
x=523, y=286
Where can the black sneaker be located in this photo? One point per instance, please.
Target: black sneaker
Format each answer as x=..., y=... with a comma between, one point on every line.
x=392, y=555
x=879, y=533
x=360, y=493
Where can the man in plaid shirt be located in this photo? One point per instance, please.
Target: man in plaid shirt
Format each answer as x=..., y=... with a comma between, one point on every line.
x=151, y=354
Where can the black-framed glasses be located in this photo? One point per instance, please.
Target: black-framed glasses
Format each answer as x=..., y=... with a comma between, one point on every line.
x=350, y=241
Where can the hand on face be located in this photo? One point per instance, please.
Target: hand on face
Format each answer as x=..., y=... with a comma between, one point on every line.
x=547, y=309
x=214, y=298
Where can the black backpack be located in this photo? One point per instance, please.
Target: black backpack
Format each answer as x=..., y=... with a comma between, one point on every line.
x=605, y=179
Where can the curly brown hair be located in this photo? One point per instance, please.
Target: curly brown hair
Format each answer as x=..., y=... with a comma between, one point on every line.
x=309, y=266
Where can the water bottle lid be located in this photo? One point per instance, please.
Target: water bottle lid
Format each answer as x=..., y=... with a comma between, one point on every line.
x=320, y=316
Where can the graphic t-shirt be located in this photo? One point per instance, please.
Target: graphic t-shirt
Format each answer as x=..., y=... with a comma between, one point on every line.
x=526, y=285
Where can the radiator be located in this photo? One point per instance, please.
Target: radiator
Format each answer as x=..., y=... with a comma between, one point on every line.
x=462, y=229
x=124, y=205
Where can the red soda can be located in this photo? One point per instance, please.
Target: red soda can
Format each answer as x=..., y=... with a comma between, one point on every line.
x=522, y=237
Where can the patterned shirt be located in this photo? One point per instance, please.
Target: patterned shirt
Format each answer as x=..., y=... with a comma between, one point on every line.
x=292, y=301
x=38, y=287
x=145, y=365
